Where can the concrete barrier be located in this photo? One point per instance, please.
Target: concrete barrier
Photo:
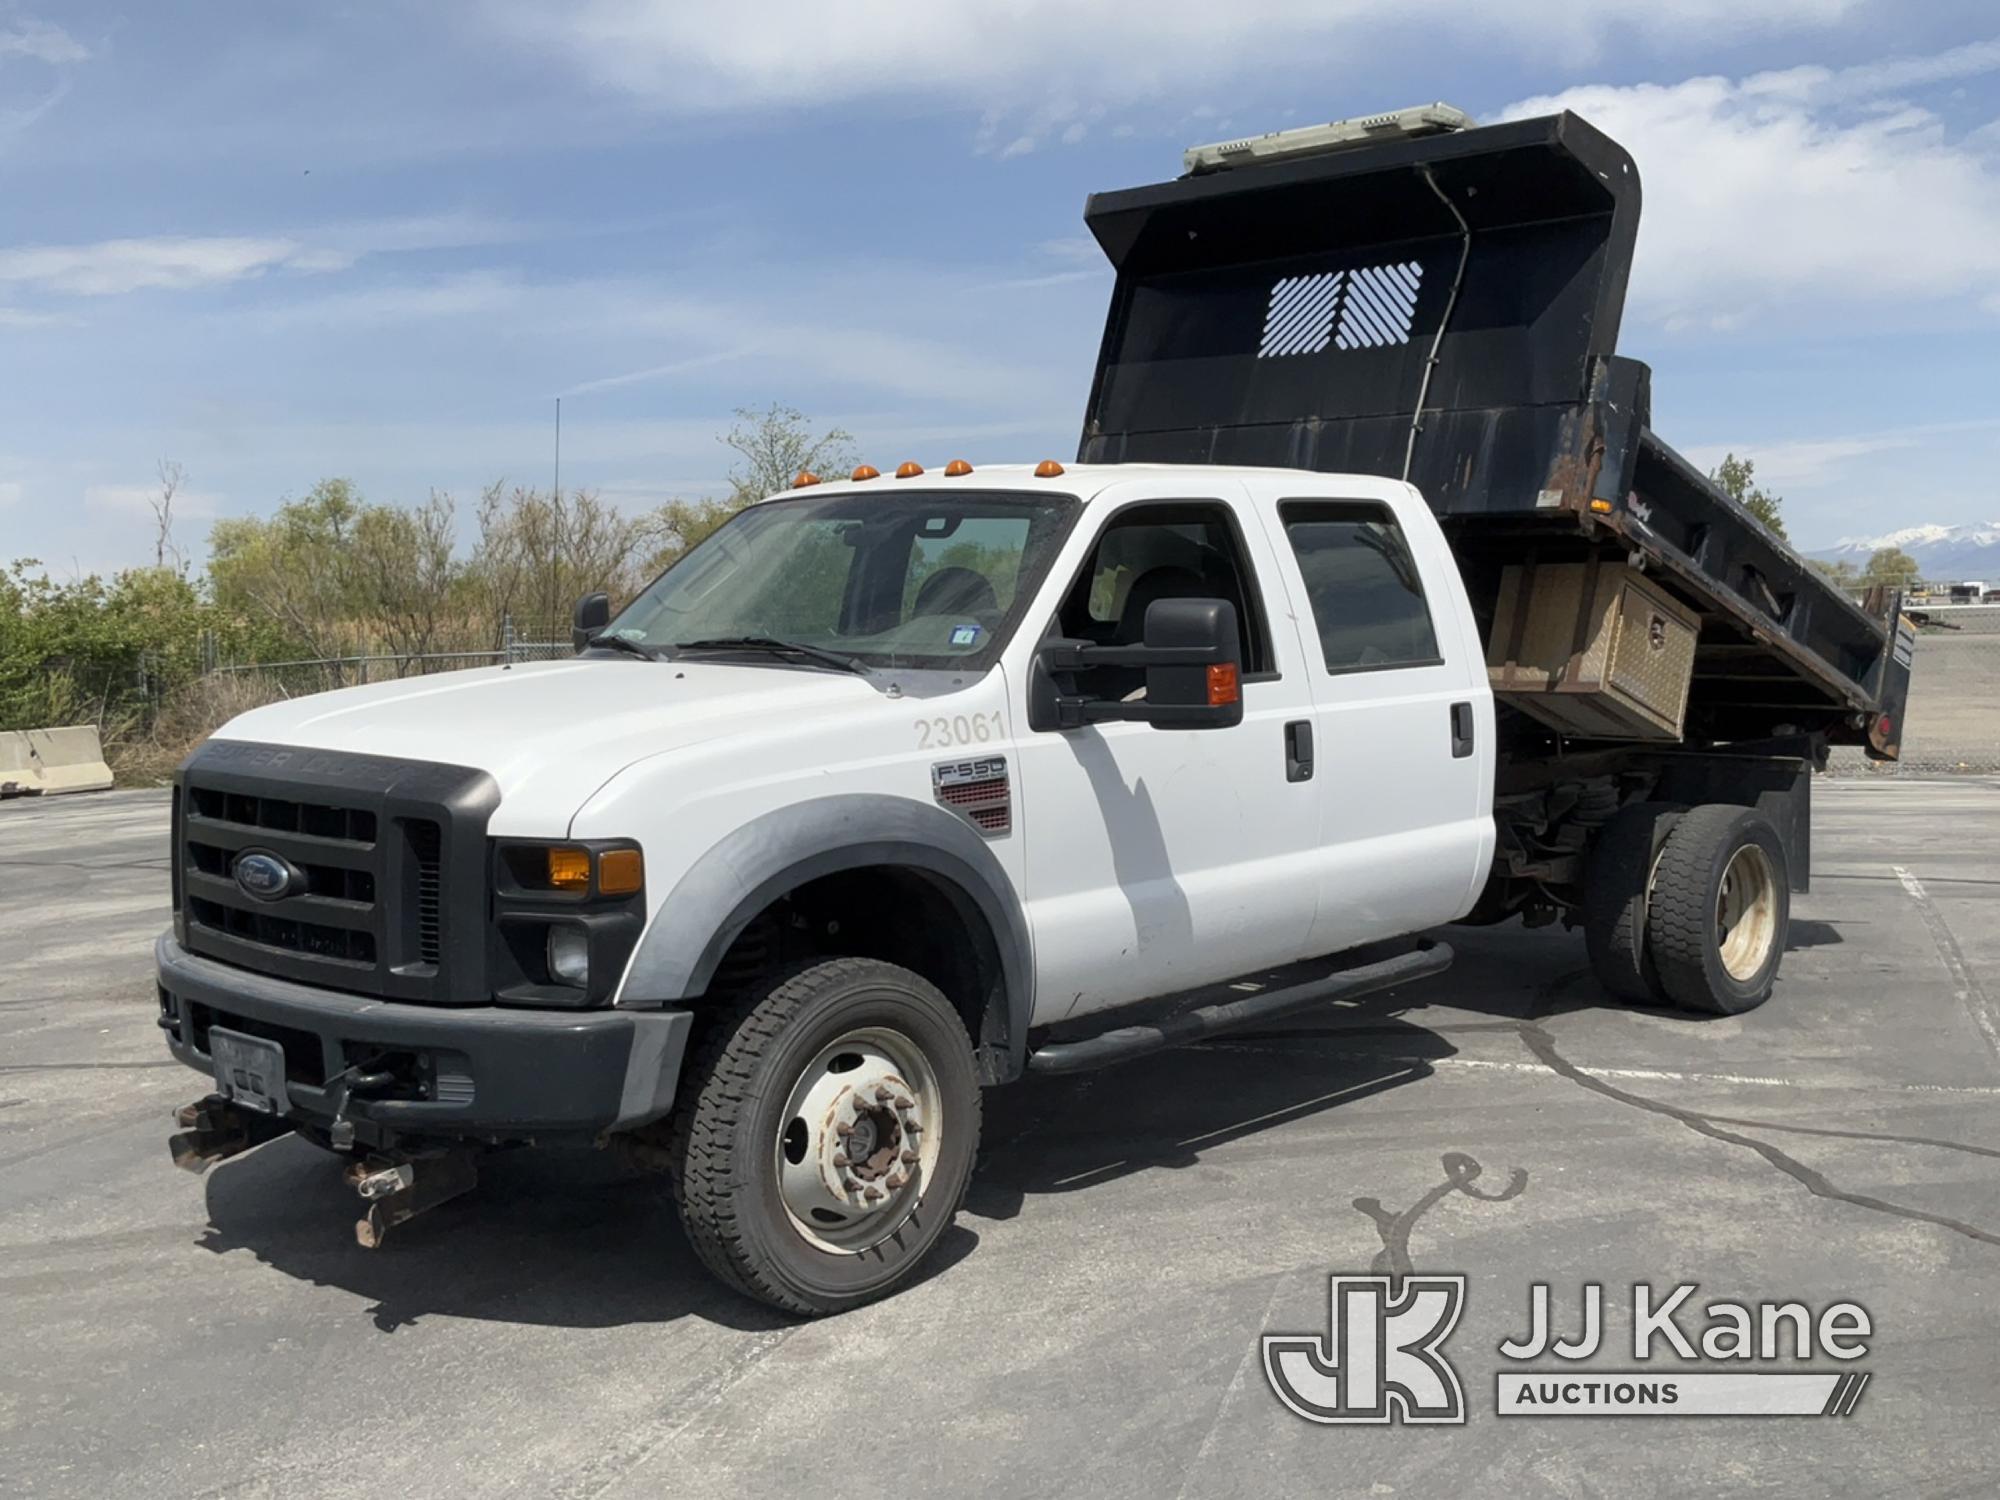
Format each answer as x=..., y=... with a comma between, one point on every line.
x=43, y=762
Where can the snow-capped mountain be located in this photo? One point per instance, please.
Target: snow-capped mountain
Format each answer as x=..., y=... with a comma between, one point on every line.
x=1945, y=553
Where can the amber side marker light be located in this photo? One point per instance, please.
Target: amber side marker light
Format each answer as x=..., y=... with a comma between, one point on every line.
x=909, y=469
x=1223, y=686
x=805, y=477
x=620, y=872
x=865, y=471
x=1602, y=507
x=958, y=468
x=1048, y=468
x=569, y=869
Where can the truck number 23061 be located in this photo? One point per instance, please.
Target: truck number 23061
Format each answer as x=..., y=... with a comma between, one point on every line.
x=960, y=729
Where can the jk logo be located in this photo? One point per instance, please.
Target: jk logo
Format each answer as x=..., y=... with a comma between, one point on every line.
x=1379, y=1361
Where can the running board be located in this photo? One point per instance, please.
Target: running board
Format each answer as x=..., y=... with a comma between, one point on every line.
x=1426, y=959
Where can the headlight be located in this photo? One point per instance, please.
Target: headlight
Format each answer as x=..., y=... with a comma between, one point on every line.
x=569, y=955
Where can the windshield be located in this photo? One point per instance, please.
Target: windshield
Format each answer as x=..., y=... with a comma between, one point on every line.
x=902, y=578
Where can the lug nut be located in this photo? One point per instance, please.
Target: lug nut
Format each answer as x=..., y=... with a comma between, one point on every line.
x=883, y=1093
x=909, y=1158
x=843, y=1130
x=840, y=1158
x=897, y=1181
x=872, y=1194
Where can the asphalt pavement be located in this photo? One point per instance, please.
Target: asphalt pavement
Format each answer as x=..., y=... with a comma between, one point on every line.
x=1093, y=1324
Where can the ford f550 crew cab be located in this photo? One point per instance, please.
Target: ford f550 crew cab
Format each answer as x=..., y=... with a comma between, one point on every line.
x=904, y=786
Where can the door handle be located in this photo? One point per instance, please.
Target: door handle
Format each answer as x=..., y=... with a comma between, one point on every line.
x=1299, y=750
x=1461, y=730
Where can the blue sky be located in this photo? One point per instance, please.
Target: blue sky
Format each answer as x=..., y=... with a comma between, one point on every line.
x=274, y=243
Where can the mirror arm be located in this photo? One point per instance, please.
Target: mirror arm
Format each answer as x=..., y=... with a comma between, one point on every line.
x=1078, y=656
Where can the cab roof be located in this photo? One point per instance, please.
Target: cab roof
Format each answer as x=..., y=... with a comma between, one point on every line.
x=1091, y=482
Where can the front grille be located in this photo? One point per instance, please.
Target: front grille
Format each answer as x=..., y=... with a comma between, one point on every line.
x=423, y=841
x=366, y=847
x=340, y=944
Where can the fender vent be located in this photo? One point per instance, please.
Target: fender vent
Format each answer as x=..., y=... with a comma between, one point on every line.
x=978, y=791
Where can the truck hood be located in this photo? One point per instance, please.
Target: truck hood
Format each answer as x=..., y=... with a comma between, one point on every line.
x=552, y=733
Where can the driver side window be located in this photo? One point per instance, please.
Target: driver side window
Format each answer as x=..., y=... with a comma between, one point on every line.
x=1171, y=550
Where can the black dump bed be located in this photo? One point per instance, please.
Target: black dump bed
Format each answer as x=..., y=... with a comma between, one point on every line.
x=1445, y=309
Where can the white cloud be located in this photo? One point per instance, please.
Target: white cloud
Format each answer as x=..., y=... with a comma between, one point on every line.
x=110, y=267
x=1801, y=465
x=1033, y=59
x=1805, y=187
x=178, y=263
x=40, y=41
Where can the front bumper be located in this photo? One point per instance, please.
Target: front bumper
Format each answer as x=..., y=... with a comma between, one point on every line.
x=477, y=1072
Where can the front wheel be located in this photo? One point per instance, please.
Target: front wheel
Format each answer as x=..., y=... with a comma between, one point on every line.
x=826, y=1134
x=1720, y=911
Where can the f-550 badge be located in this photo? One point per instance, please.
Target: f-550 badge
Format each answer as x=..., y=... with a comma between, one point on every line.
x=977, y=790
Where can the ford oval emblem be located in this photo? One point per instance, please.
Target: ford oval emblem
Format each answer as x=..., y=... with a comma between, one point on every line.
x=264, y=876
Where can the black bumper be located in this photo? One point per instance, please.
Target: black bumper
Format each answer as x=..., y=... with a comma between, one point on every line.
x=484, y=1072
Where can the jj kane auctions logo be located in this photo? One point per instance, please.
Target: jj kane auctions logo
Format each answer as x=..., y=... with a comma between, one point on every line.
x=1382, y=1357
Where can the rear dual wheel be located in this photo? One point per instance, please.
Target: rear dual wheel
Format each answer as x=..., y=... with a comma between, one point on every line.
x=1688, y=907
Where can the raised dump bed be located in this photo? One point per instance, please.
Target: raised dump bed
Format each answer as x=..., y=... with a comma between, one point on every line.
x=1443, y=305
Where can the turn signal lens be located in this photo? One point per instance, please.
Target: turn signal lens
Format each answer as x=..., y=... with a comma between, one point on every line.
x=957, y=468
x=865, y=471
x=569, y=869
x=1048, y=468
x=1222, y=684
x=909, y=469
x=620, y=872
x=1601, y=507
x=805, y=477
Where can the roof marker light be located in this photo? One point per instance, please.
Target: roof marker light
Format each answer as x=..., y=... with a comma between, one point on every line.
x=909, y=469
x=865, y=471
x=804, y=478
x=957, y=468
x=1048, y=468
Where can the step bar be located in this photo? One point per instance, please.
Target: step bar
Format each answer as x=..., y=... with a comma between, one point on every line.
x=1421, y=962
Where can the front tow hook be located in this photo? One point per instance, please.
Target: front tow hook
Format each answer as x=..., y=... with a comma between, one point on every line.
x=399, y=1187
x=215, y=1129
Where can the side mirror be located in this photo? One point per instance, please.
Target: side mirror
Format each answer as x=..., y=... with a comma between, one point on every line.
x=1193, y=663
x=1207, y=692
x=592, y=614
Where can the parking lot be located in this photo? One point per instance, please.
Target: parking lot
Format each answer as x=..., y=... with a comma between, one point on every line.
x=1093, y=1325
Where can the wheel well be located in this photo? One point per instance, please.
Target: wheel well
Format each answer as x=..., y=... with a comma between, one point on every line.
x=898, y=914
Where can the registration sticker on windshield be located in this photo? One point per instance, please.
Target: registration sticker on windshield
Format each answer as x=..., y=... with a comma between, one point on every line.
x=965, y=635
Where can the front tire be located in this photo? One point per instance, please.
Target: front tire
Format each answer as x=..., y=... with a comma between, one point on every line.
x=826, y=1134
x=1720, y=913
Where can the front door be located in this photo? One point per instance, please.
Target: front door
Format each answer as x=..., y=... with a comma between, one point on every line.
x=1162, y=859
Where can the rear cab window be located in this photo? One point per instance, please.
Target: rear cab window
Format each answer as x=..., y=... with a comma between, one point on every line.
x=1362, y=585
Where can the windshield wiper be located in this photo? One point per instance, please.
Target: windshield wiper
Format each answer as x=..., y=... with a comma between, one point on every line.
x=775, y=647
x=622, y=643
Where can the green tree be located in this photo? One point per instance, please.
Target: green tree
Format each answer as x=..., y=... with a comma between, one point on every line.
x=774, y=445
x=1841, y=574
x=294, y=575
x=1891, y=566
x=1734, y=475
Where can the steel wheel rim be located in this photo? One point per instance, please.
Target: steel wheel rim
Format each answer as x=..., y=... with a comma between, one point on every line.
x=870, y=1092
x=1746, y=913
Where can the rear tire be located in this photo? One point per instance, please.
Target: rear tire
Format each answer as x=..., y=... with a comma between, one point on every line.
x=1720, y=913
x=1615, y=890
x=813, y=1058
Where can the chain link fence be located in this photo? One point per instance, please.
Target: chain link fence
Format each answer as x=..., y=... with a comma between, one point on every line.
x=541, y=641
x=1952, y=726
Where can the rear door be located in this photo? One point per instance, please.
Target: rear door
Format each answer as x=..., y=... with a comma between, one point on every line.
x=1403, y=718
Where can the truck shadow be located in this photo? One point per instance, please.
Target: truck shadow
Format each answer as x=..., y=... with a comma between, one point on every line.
x=578, y=1239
